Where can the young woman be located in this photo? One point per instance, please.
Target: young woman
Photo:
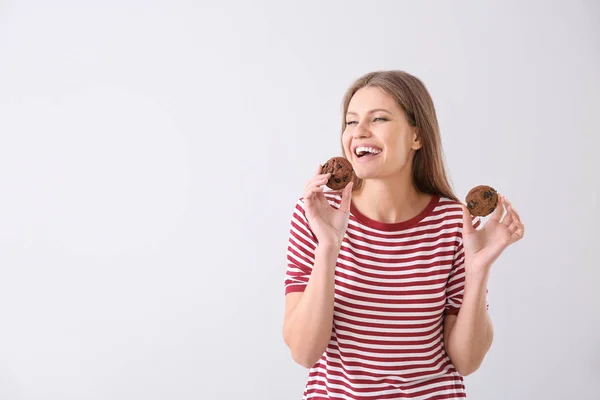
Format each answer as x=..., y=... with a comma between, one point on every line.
x=386, y=281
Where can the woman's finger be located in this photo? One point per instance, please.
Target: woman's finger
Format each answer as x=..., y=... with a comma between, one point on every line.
x=518, y=235
x=499, y=211
x=308, y=195
x=514, y=212
x=317, y=180
x=512, y=228
x=510, y=209
x=316, y=189
x=346, y=198
x=521, y=227
x=507, y=220
x=313, y=192
x=467, y=221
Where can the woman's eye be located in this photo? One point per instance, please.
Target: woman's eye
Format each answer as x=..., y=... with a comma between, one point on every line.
x=374, y=120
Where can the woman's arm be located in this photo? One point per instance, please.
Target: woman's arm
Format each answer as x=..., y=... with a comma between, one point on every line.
x=309, y=315
x=468, y=336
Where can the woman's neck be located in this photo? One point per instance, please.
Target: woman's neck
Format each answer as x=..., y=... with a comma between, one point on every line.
x=389, y=200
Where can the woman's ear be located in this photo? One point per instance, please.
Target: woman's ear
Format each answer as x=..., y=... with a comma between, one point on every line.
x=416, y=145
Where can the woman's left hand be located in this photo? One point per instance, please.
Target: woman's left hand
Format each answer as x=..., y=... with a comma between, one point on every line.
x=484, y=246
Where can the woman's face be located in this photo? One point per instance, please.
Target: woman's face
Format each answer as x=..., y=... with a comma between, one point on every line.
x=378, y=140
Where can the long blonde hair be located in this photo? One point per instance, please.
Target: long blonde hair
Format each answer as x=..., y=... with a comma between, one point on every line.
x=428, y=170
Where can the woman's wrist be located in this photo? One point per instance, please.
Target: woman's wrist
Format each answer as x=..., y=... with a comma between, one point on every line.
x=476, y=282
x=477, y=274
x=330, y=247
x=330, y=244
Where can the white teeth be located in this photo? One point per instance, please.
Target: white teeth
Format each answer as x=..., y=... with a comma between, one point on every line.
x=362, y=149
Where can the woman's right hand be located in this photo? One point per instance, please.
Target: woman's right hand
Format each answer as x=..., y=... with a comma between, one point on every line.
x=327, y=223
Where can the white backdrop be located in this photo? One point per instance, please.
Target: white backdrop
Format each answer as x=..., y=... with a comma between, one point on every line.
x=151, y=154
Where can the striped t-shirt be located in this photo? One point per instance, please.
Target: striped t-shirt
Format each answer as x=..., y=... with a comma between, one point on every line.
x=393, y=284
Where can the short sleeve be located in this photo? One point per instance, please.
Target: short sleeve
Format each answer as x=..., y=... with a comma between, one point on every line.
x=300, y=251
x=455, y=286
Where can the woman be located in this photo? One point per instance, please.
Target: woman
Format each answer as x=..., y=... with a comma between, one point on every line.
x=386, y=280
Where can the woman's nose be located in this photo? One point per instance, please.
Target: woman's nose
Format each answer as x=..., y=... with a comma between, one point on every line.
x=361, y=131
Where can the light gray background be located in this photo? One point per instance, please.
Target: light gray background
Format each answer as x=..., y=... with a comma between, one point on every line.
x=151, y=154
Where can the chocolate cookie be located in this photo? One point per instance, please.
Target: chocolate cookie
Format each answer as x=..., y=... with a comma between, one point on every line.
x=482, y=200
x=341, y=172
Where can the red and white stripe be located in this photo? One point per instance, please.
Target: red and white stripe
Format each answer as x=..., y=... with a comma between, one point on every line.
x=393, y=284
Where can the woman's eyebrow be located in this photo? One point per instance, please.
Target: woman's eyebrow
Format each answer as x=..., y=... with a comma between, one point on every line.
x=370, y=112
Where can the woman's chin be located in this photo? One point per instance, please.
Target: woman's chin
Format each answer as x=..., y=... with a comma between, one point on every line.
x=365, y=171
x=364, y=175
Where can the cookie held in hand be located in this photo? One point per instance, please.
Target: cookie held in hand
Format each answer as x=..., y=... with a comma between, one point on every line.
x=482, y=200
x=341, y=172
